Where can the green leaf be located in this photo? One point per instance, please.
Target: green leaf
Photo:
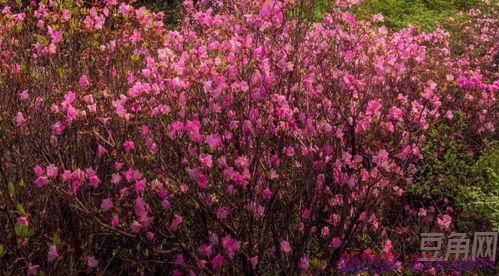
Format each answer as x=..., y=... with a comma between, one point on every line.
x=20, y=209
x=2, y=251
x=11, y=189
x=56, y=240
x=21, y=230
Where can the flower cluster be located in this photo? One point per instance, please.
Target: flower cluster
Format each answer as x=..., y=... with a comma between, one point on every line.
x=245, y=140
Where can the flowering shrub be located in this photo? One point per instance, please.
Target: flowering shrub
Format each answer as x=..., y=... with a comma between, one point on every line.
x=245, y=141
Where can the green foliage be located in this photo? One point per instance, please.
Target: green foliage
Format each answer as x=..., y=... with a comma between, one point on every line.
x=469, y=181
x=171, y=8
x=2, y=251
x=445, y=166
x=426, y=14
x=483, y=197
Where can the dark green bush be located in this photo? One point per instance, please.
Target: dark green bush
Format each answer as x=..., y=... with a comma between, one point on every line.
x=464, y=172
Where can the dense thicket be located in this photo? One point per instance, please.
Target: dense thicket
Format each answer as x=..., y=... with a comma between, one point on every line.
x=251, y=139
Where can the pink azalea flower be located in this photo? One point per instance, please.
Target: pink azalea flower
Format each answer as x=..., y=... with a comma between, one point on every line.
x=135, y=37
x=66, y=15
x=285, y=246
x=449, y=115
x=217, y=261
x=444, y=221
x=22, y=220
x=378, y=18
x=20, y=119
x=52, y=171
x=303, y=263
x=253, y=261
x=202, y=181
x=55, y=35
x=422, y=212
x=213, y=141
x=84, y=82
x=231, y=246
x=306, y=214
x=94, y=181
x=180, y=260
x=39, y=171
x=388, y=246
x=136, y=226
x=58, y=128
x=41, y=181
x=71, y=113
x=92, y=262
x=33, y=270
x=325, y=231
x=115, y=221
x=336, y=242
x=206, y=250
x=52, y=254
x=267, y=193
x=107, y=204
x=206, y=160
x=129, y=146
x=175, y=223
x=222, y=213
x=101, y=151
x=24, y=95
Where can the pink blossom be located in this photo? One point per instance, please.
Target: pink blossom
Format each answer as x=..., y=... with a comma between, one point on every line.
x=285, y=246
x=52, y=171
x=55, y=35
x=422, y=212
x=217, y=261
x=444, y=221
x=84, y=82
x=92, y=262
x=213, y=141
x=20, y=119
x=175, y=223
x=107, y=204
x=94, y=181
x=202, y=181
x=388, y=246
x=222, y=213
x=32, y=270
x=136, y=226
x=71, y=113
x=41, y=181
x=39, y=171
x=101, y=151
x=180, y=260
x=378, y=18
x=449, y=115
x=115, y=222
x=24, y=95
x=52, y=254
x=206, y=160
x=22, y=220
x=135, y=37
x=303, y=264
x=66, y=15
x=230, y=245
x=128, y=146
x=206, y=250
x=336, y=242
x=325, y=231
x=267, y=193
x=306, y=214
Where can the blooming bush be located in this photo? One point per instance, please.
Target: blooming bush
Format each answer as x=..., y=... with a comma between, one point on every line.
x=244, y=141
